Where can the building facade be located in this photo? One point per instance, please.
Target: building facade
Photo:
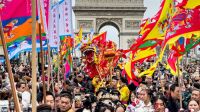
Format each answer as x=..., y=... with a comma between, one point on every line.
x=124, y=15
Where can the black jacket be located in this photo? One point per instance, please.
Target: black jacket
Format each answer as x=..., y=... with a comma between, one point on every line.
x=173, y=105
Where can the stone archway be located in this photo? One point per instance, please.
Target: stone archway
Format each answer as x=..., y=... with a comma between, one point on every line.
x=116, y=22
x=124, y=15
x=110, y=27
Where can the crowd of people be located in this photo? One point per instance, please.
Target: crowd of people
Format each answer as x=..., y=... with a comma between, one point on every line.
x=78, y=92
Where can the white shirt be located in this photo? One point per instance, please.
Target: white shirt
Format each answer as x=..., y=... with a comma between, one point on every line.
x=26, y=99
x=148, y=107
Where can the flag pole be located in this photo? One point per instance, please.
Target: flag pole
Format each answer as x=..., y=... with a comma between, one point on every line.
x=42, y=64
x=10, y=74
x=58, y=73
x=49, y=68
x=180, y=84
x=34, y=76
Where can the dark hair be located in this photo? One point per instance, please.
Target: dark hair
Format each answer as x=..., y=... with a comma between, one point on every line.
x=51, y=94
x=18, y=85
x=132, y=87
x=68, y=91
x=193, y=100
x=67, y=82
x=129, y=99
x=44, y=108
x=114, y=78
x=115, y=92
x=101, y=107
x=167, y=86
x=124, y=80
x=120, y=105
x=16, y=78
x=57, y=95
x=87, y=103
x=71, y=76
x=100, y=90
x=196, y=85
x=173, y=87
x=67, y=95
x=160, y=97
x=105, y=92
x=39, y=97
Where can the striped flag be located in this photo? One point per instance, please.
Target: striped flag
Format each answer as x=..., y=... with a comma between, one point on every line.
x=16, y=20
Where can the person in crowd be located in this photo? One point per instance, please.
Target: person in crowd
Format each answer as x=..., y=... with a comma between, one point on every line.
x=160, y=104
x=120, y=108
x=97, y=83
x=196, y=92
x=102, y=107
x=193, y=106
x=81, y=93
x=115, y=95
x=50, y=99
x=77, y=90
x=124, y=91
x=149, y=81
x=167, y=90
x=89, y=103
x=66, y=85
x=57, y=87
x=135, y=105
x=173, y=101
x=44, y=108
x=80, y=80
x=57, y=101
x=114, y=83
x=66, y=104
x=26, y=96
x=21, y=67
x=99, y=93
x=145, y=96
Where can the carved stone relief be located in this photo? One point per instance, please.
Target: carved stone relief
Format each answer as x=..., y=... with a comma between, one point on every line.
x=85, y=24
x=132, y=24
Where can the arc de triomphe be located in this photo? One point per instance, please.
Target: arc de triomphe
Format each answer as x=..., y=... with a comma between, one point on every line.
x=124, y=15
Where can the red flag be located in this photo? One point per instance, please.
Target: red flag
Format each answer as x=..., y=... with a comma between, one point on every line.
x=183, y=24
x=172, y=60
x=100, y=39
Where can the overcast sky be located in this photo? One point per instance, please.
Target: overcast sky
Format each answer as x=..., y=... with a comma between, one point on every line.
x=112, y=33
x=152, y=6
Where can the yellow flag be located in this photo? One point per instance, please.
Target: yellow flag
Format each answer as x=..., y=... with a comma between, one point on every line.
x=160, y=21
x=191, y=4
x=78, y=38
x=127, y=68
x=141, y=54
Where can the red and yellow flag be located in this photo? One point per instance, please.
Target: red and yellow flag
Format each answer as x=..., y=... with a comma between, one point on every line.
x=144, y=54
x=156, y=29
x=100, y=39
x=188, y=4
x=78, y=38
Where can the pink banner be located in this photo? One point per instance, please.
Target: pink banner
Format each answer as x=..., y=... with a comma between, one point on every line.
x=15, y=9
x=45, y=9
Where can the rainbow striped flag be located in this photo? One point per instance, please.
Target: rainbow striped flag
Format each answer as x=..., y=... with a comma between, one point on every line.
x=16, y=20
